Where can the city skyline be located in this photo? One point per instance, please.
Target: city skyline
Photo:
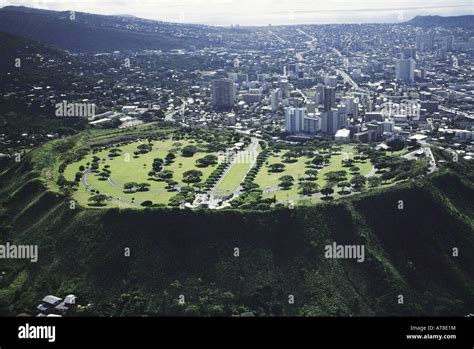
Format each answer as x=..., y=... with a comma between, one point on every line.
x=260, y=13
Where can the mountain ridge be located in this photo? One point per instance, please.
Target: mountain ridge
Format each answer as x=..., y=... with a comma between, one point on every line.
x=465, y=21
x=94, y=33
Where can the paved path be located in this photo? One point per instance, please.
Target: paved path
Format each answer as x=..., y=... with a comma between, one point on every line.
x=89, y=188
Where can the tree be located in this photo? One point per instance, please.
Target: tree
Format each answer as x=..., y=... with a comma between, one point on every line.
x=144, y=148
x=157, y=164
x=188, y=151
x=336, y=176
x=78, y=176
x=343, y=186
x=386, y=176
x=165, y=175
x=358, y=182
x=147, y=203
x=170, y=158
x=374, y=181
x=130, y=186
x=308, y=188
x=278, y=167
x=143, y=186
x=206, y=161
x=171, y=185
x=192, y=176
x=327, y=191
x=98, y=200
x=354, y=169
x=114, y=152
x=289, y=156
x=311, y=174
x=286, y=182
x=396, y=145
x=104, y=175
x=318, y=160
x=94, y=166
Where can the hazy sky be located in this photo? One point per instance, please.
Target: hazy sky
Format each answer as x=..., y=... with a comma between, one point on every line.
x=261, y=12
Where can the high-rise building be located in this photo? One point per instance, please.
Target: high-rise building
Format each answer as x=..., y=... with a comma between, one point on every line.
x=330, y=122
x=319, y=96
x=388, y=126
x=293, y=69
x=284, y=88
x=311, y=124
x=294, y=119
x=310, y=107
x=449, y=43
x=253, y=96
x=352, y=107
x=405, y=70
x=223, y=93
x=376, y=128
x=275, y=99
x=329, y=98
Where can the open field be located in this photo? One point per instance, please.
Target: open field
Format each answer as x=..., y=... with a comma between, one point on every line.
x=128, y=167
x=269, y=181
x=237, y=172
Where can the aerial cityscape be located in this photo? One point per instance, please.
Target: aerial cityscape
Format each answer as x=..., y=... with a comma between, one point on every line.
x=283, y=165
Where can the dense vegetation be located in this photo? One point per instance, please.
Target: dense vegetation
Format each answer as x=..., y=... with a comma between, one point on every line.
x=280, y=252
x=87, y=32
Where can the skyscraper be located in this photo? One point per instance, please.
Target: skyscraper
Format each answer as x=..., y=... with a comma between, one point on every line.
x=275, y=99
x=329, y=98
x=351, y=106
x=319, y=96
x=284, y=88
x=329, y=122
x=223, y=93
x=405, y=70
x=294, y=119
x=449, y=43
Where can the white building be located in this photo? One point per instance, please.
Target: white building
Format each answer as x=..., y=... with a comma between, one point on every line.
x=388, y=126
x=275, y=99
x=294, y=119
x=342, y=135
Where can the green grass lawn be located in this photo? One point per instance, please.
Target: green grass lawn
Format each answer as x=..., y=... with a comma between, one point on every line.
x=128, y=168
x=268, y=180
x=235, y=176
x=297, y=169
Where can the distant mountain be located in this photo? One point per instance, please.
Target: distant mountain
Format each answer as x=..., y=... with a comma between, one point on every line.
x=96, y=33
x=13, y=47
x=466, y=22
